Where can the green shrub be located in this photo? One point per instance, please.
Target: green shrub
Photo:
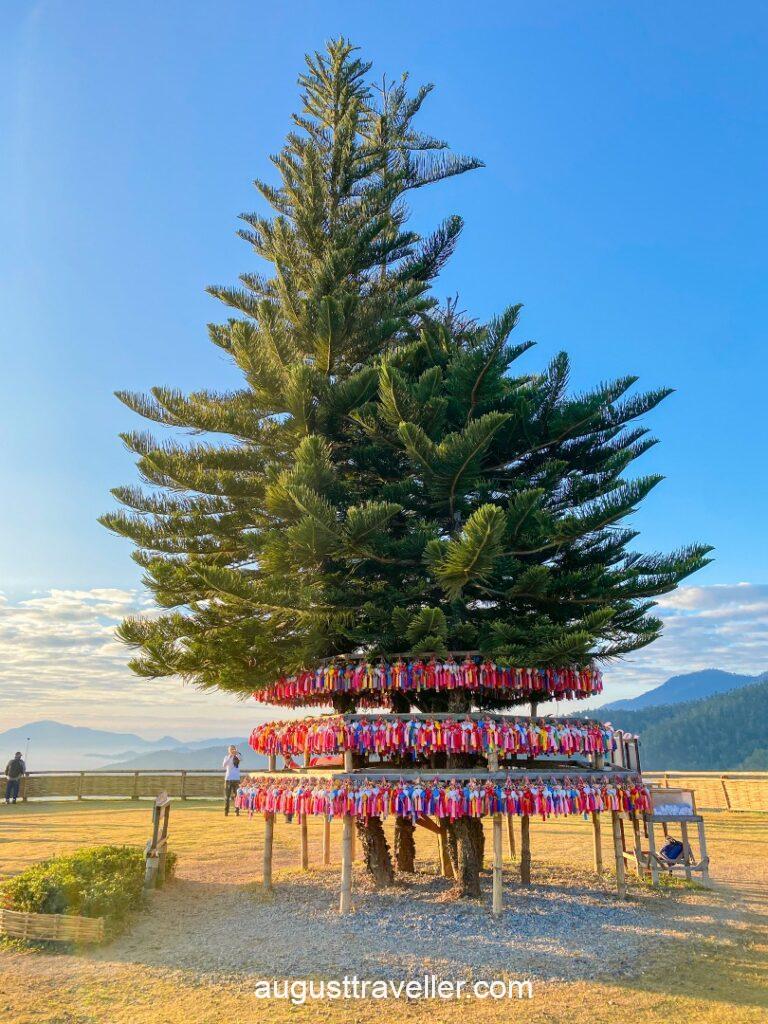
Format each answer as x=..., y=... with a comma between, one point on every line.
x=104, y=881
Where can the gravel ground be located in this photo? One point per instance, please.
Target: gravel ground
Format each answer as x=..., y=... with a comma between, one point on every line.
x=568, y=927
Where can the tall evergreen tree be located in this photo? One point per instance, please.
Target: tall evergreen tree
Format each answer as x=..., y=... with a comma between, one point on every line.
x=385, y=471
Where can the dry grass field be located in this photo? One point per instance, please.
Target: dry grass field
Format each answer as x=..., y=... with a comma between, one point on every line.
x=706, y=960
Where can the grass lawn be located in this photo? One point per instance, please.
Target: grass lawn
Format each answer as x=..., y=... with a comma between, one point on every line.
x=715, y=972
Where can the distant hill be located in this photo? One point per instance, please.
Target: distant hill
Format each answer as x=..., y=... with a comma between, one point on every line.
x=725, y=732
x=56, y=746
x=193, y=757
x=687, y=687
x=76, y=737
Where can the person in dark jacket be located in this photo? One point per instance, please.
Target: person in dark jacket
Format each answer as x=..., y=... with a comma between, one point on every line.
x=14, y=771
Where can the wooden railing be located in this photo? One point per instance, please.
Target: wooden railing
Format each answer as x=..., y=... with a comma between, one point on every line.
x=718, y=791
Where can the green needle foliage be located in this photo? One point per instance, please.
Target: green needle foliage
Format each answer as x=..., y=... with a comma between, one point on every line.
x=385, y=479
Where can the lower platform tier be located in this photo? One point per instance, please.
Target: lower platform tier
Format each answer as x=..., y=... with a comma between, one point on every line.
x=448, y=795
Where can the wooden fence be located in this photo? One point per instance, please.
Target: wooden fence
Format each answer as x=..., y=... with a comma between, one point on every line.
x=715, y=791
x=134, y=785
x=719, y=791
x=21, y=924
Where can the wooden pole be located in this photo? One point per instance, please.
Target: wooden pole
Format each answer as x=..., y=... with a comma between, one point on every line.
x=597, y=844
x=326, y=840
x=703, y=854
x=271, y=762
x=446, y=867
x=304, y=843
x=618, y=850
x=345, y=900
x=686, y=849
x=511, y=836
x=654, y=864
x=525, y=850
x=80, y=782
x=498, y=871
x=640, y=867
x=349, y=763
x=269, y=833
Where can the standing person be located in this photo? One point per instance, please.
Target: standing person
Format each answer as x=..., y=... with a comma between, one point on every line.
x=14, y=771
x=231, y=766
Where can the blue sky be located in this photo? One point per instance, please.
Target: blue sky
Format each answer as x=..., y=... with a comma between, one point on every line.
x=623, y=203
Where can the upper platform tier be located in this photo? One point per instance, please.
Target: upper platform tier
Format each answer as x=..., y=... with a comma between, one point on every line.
x=373, y=683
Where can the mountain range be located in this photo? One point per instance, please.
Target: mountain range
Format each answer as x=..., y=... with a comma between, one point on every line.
x=707, y=719
x=724, y=732
x=691, y=686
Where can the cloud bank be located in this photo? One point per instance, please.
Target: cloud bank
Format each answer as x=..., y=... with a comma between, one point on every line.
x=59, y=659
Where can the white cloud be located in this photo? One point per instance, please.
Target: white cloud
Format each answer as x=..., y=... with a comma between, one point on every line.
x=720, y=626
x=59, y=659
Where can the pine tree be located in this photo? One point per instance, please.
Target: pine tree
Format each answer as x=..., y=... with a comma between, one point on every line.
x=385, y=471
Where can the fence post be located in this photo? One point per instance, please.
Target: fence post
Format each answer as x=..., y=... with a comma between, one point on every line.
x=135, y=793
x=183, y=787
x=80, y=782
x=23, y=787
x=725, y=793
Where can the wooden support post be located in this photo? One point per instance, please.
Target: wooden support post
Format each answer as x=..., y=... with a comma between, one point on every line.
x=686, y=850
x=618, y=850
x=304, y=843
x=269, y=834
x=349, y=763
x=307, y=758
x=271, y=762
x=534, y=708
x=654, y=864
x=135, y=793
x=24, y=788
x=80, y=782
x=597, y=845
x=446, y=867
x=326, y=840
x=511, y=836
x=639, y=866
x=183, y=786
x=703, y=854
x=525, y=850
x=498, y=870
x=345, y=900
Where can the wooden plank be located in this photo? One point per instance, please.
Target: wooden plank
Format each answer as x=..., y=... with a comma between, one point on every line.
x=345, y=898
x=525, y=850
x=426, y=822
x=498, y=870
x=269, y=834
x=533, y=773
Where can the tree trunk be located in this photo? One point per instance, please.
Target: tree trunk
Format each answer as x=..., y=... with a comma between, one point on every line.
x=376, y=851
x=464, y=846
x=477, y=837
x=405, y=845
